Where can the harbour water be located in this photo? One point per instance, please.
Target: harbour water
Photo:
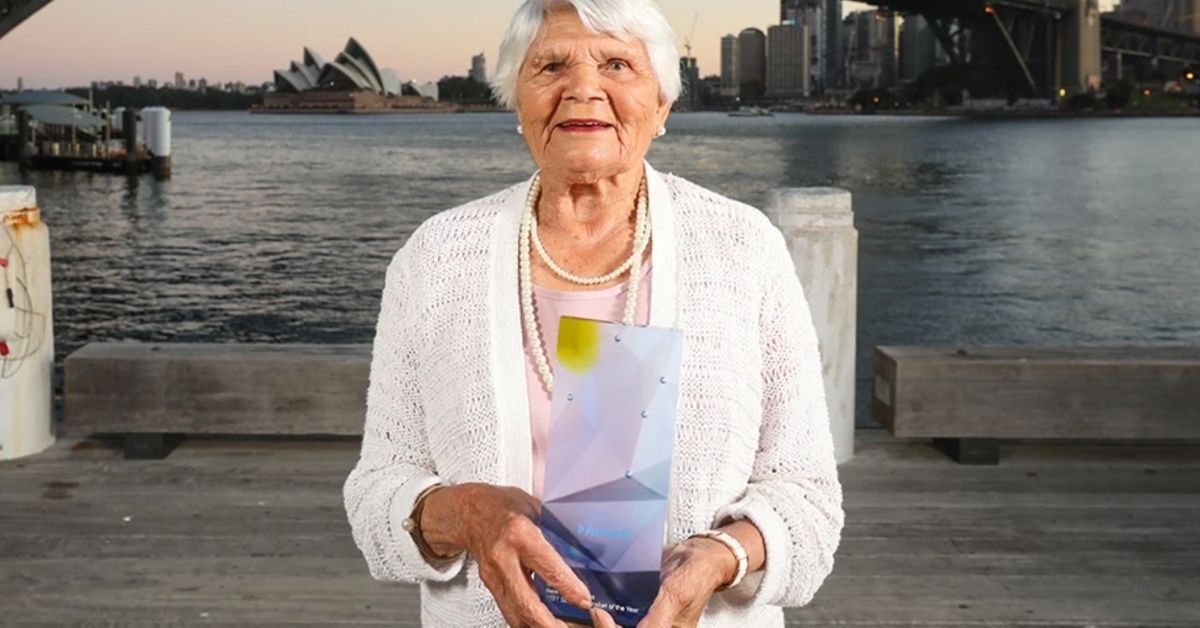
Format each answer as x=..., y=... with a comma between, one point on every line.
x=279, y=228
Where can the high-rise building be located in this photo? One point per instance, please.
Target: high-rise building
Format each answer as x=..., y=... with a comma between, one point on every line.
x=819, y=36
x=752, y=63
x=479, y=68
x=810, y=13
x=729, y=67
x=833, y=39
x=826, y=25
x=872, y=46
x=690, y=72
x=20, y=84
x=152, y=83
x=202, y=83
x=789, y=9
x=788, y=61
x=137, y=81
x=179, y=82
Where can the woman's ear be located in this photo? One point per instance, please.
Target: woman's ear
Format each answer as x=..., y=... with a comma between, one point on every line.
x=664, y=112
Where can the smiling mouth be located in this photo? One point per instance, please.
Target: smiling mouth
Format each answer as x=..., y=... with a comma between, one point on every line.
x=584, y=126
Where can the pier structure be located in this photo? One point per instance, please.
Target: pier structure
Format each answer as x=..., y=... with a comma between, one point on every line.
x=1056, y=534
x=49, y=130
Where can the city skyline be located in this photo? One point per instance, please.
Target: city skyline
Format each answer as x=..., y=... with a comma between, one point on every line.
x=59, y=46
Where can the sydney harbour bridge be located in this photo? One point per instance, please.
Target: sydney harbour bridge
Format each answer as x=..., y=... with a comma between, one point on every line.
x=13, y=12
x=1034, y=48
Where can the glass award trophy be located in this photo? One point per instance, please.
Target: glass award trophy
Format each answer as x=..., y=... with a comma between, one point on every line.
x=608, y=462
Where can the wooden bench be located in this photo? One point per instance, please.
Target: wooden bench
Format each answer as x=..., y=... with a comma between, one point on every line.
x=967, y=398
x=148, y=392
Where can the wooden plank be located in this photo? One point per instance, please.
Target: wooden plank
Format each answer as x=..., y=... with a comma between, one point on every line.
x=216, y=610
x=216, y=388
x=1140, y=393
x=950, y=600
x=1062, y=355
x=254, y=532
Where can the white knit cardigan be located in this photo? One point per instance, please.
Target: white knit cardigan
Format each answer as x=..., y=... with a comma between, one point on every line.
x=447, y=396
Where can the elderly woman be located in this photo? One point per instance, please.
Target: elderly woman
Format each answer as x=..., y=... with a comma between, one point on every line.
x=446, y=492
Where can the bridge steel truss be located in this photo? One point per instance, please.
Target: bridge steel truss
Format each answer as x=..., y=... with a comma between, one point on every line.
x=1016, y=40
x=1125, y=38
x=1020, y=40
x=13, y=12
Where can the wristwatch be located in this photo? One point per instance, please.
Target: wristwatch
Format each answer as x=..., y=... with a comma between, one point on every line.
x=739, y=552
x=412, y=525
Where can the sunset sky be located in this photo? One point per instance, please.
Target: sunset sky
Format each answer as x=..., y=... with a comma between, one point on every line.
x=73, y=42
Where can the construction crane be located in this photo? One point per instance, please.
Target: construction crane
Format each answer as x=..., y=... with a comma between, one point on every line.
x=687, y=41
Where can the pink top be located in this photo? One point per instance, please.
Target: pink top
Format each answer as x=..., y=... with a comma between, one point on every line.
x=607, y=304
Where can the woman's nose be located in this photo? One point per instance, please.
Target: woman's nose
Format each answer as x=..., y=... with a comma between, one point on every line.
x=583, y=84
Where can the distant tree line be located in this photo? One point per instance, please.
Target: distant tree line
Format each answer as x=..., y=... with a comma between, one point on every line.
x=464, y=90
x=171, y=98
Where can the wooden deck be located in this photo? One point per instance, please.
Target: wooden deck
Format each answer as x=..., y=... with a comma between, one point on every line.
x=253, y=532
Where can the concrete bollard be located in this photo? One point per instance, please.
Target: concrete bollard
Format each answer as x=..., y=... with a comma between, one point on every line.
x=26, y=326
x=157, y=125
x=818, y=224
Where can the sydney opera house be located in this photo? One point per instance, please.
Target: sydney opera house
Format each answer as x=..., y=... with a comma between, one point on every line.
x=351, y=83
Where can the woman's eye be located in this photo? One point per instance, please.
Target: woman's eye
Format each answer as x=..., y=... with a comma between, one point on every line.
x=617, y=64
x=553, y=66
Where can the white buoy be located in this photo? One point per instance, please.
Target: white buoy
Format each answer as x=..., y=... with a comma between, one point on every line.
x=26, y=326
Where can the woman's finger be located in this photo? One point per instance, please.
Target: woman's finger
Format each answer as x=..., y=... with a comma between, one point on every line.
x=540, y=556
x=518, y=601
x=601, y=619
x=662, y=611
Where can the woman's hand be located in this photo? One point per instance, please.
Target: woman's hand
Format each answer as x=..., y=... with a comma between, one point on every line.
x=692, y=571
x=495, y=524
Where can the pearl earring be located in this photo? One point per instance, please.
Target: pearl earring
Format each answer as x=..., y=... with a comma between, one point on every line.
x=661, y=131
x=520, y=130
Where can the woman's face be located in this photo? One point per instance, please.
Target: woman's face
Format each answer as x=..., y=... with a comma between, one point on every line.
x=589, y=103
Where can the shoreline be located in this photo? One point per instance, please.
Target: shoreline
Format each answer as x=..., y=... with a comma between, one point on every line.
x=450, y=108
x=1000, y=114
x=1014, y=114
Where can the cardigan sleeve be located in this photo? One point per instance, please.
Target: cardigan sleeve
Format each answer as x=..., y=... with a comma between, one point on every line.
x=394, y=465
x=794, y=496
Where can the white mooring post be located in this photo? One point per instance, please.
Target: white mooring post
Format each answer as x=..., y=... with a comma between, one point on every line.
x=818, y=224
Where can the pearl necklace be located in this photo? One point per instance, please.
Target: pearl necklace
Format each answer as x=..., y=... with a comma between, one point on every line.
x=529, y=240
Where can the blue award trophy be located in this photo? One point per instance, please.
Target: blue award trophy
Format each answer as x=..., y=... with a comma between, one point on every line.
x=608, y=462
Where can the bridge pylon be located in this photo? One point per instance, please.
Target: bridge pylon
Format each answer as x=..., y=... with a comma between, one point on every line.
x=1080, y=58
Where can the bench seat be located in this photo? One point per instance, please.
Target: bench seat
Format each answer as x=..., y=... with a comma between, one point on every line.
x=965, y=398
x=146, y=391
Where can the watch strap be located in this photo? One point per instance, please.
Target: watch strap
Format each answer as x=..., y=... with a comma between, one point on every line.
x=412, y=525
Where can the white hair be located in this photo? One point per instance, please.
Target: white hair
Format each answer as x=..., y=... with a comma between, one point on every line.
x=624, y=19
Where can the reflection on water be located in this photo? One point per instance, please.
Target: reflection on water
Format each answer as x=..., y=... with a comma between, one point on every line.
x=278, y=228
